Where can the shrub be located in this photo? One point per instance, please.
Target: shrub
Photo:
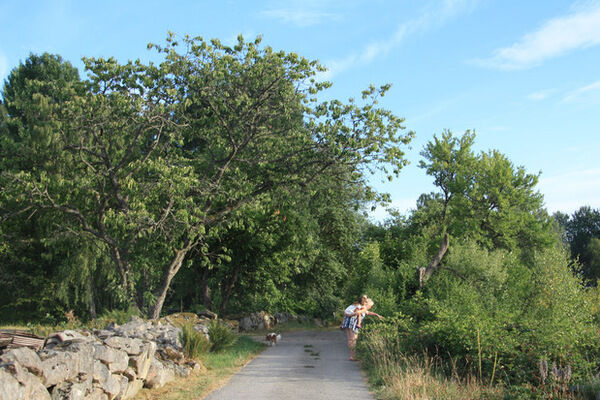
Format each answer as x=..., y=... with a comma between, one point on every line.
x=489, y=315
x=194, y=343
x=221, y=337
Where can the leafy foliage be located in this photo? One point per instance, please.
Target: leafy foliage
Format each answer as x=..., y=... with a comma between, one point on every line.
x=150, y=164
x=221, y=336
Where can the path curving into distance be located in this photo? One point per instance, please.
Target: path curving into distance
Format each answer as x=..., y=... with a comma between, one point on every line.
x=303, y=365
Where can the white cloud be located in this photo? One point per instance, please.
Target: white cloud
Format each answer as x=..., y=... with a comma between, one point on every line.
x=554, y=38
x=300, y=18
x=540, y=95
x=301, y=13
x=582, y=92
x=570, y=191
x=432, y=17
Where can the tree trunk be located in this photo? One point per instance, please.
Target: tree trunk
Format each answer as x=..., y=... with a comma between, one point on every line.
x=229, y=289
x=169, y=274
x=91, y=300
x=120, y=259
x=425, y=273
x=206, y=297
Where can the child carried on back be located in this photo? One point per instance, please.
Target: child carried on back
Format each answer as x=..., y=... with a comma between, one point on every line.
x=354, y=313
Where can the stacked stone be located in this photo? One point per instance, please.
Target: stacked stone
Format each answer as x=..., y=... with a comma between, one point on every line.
x=113, y=363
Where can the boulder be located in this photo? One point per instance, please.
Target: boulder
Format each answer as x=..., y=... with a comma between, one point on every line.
x=104, y=333
x=123, y=382
x=246, y=324
x=141, y=363
x=130, y=374
x=158, y=375
x=69, y=391
x=104, y=380
x=132, y=388
x=115, y=360
x=97, y=394
x=30, y=387
x=132, y=346
x=258, y=320
x=170, y=353
x=26, y=357
x=10, y=387
x=59, y=366
x=207, y=314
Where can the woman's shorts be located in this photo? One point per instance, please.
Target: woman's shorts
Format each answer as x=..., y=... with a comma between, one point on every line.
x=350, y=322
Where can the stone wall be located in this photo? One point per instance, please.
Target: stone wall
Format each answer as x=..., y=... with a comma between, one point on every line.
x=112, y=363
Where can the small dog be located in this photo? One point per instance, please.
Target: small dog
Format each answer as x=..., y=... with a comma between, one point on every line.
x=272, y=338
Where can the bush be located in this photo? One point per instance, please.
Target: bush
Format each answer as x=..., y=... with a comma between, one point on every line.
x=490, y=316
x=194, y=343
x=221, y=337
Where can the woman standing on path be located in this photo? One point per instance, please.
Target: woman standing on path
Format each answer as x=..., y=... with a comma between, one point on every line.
x=352, y=316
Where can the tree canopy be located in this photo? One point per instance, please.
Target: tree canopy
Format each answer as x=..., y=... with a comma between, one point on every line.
x=150, y=161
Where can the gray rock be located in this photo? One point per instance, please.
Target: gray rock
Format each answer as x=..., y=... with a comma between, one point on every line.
x=115, y=360
x=30, y=386
x=26, y=357
x=170, y=353
x=207, y=314
x=158, y=375
x=182, y=371
x=59, y=366
x=131, y=346
x=133, y=387
x=69, y=391
x=10, y=387
x=141, y=363
x=105, y=333
x=130, y=374
x=34, y=388
x=104, y=380
x=97, y=394
x=258, y=320
x=123, y=382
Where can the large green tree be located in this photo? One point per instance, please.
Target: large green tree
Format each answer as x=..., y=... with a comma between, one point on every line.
x=579, y=231
x=482, y=197
x=162, y=156
x=45, y=269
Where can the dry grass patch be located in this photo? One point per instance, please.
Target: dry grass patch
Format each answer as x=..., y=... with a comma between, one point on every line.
x=219, y=368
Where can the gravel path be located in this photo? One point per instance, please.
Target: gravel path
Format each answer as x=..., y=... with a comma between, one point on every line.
x=303, y=365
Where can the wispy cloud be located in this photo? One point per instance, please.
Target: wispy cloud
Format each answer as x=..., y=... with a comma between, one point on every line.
x=556, y=37
x=301, y=13
x=569, y=191
x=582, y=92
x=432, y=17
x=541, y=94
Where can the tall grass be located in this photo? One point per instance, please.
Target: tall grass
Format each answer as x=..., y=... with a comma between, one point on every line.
x=194, y=343
x=399, y=376
x=221, y=336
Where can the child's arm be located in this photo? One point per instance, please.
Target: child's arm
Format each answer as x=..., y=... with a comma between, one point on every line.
x=375, y=314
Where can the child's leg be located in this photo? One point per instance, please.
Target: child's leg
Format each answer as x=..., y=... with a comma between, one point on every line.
x=358, y=320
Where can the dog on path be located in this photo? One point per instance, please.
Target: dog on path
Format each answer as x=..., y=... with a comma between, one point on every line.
x=272, y=338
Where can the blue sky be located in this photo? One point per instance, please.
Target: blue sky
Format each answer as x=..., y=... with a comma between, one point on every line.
x=523, y=74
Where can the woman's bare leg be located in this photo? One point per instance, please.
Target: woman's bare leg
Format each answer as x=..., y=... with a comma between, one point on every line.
x=351, y=336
